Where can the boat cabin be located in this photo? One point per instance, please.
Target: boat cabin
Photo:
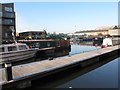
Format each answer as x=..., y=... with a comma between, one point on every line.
x=13, y=47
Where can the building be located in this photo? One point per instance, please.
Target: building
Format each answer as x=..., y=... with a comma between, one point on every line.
x=33, y=35
x=7, y=22
x=112, y=32
x=93, y=32
x=59, y=36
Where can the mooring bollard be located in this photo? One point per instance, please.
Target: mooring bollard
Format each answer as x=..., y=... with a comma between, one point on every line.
x=69, y=55
x=51, y=58
x=8, y=71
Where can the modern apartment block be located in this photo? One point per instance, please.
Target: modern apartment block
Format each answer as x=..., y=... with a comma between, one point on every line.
x=7, y=22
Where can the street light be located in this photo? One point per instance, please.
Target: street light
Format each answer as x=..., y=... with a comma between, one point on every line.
x=13, y=31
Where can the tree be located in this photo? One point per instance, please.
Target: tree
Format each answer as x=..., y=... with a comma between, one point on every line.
x=99, y=34
x=115, y=27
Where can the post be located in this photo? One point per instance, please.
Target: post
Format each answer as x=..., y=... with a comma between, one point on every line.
x=8, y=71
x=51, y=58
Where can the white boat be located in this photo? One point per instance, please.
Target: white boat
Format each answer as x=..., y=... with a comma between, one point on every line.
x=16, y=52
x=107, y=42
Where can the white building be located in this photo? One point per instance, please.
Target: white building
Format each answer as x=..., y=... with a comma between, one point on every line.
x=114, y=32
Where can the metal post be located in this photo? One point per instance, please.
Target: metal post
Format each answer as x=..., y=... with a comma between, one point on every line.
x=69, y=55
x=8, y=71
x=51, y=58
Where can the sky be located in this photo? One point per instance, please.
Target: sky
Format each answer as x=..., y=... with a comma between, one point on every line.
x=64, y=17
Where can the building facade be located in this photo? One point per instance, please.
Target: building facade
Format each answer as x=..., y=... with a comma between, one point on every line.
x=7, y=22
x=93, y=32
x=114, y=32
x=29, y=35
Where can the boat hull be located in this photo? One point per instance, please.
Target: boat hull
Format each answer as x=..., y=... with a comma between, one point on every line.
x=103, y=46
x=17, y=55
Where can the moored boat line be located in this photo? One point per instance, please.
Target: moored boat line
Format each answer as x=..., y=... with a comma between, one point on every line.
x=15, y=52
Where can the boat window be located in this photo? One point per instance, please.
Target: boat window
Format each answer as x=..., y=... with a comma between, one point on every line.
x=2, y=49
x=48, y=44
x=22, y=47
x=37, y=45
x=12, y=48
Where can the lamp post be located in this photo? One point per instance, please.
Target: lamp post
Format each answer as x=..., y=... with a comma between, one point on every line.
x=13, y=31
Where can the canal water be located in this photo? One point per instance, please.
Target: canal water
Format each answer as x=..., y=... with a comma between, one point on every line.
x=105, y=76
x=75, y=48
x=101, y=75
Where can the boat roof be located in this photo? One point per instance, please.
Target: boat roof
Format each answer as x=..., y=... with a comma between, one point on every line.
x=14, y=44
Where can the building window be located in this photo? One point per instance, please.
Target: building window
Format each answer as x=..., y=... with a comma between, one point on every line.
x=0, y=14
x=11, y=28
x=7, y=35
x=7, y=28
x=9, y=9
x=8, y=21
x=10, y=35
x=9, y=14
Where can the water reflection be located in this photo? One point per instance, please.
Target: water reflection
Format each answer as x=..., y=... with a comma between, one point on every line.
x=103, y=74
x=75, y=48
x=88, y=43
x=80, y=47
x=100, y=75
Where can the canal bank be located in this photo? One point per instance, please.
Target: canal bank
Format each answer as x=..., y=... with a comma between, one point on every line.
x=93, y=76
x=53, y=66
